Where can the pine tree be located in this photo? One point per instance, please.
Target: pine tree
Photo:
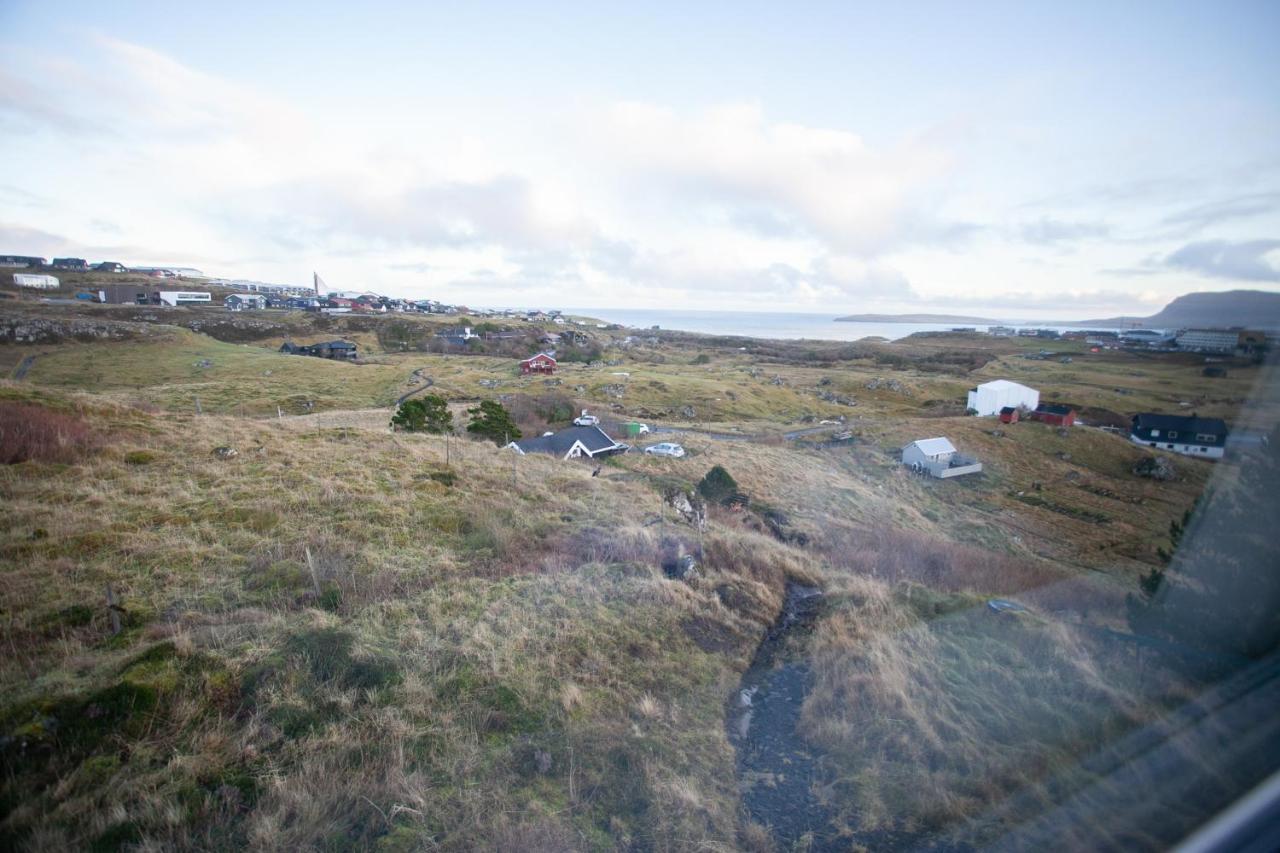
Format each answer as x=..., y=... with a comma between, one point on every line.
x=492, y=421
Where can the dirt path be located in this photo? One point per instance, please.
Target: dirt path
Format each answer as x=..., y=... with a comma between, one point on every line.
x=417, y=374
x=20, y=372
x=740, y=436
x=776, y=767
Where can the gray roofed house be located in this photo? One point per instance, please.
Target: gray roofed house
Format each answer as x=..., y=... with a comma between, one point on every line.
x=938, y=457
x=572, y=443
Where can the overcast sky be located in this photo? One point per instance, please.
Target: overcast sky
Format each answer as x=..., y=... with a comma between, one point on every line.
x=1023, y=159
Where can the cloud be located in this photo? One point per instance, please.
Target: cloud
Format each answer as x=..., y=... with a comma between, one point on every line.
x=1239, y=261
x=26, y=106
x=1047, y=231
x=856, y=198
x=1216, y=212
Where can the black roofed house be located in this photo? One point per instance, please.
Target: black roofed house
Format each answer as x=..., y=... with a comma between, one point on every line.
x=573, y=443
x=1185, y=434
x=329, y=349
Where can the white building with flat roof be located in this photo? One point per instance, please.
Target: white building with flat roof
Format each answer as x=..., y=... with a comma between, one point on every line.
x=36, y=282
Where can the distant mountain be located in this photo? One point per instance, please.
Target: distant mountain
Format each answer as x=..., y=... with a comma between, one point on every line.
x=1253, y=309
x=917, y=318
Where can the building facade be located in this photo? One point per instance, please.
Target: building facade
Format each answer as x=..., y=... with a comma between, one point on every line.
x=1188, y=435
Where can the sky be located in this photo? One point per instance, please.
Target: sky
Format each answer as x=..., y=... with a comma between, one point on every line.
x=1018, y=160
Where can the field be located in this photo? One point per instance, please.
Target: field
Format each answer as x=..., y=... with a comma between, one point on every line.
x=342, y=636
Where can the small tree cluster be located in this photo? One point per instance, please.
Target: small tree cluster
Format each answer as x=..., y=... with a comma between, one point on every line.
x=490, y=420
x=425, y=414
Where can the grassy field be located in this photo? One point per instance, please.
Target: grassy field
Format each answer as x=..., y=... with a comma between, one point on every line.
x=335, y=638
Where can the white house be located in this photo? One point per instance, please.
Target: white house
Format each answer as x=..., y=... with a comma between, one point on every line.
x=38, y=282
x=939, y=457
x=990, y=397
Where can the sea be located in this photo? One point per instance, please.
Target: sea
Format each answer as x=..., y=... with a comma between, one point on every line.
x=782, y=325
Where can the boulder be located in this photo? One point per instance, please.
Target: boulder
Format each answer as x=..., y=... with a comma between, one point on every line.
x=688, y=505
x=225, y=452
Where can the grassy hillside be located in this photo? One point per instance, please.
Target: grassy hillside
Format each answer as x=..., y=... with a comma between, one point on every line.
x=334, y=638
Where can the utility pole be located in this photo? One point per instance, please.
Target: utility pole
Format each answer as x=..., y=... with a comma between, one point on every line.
x=199, y=411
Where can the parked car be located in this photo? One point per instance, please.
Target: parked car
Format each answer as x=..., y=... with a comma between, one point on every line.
x=635, y=428
x=586, y=420
x=666, y=448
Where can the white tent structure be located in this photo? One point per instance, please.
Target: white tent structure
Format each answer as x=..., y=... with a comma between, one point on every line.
x=990, y=397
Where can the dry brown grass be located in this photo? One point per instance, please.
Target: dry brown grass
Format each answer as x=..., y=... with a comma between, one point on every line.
x=35, y=433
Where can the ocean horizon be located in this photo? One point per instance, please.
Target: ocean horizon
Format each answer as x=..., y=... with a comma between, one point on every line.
x=782, y=325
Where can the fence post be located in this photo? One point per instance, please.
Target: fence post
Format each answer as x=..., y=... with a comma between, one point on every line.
x=199, y=411
x=113, y=610
x=315, y=581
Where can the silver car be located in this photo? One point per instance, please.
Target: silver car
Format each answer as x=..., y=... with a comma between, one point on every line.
x=666, y=448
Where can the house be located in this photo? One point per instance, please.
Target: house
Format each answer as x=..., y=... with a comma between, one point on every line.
x=1185, y=434
x=36, y=282
x=245, y=302
x=457, y=334
x=573, y=443
x=990, y=397
x=110, y=266
x=72, y=264
x=20, y=261
x=1009, y=415
x=938, y=457
x=1150, y=337
x=343, y=350
x=540, y=363
x=1055, y=414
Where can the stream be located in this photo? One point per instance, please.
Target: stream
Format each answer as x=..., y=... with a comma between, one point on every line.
x=776, y=767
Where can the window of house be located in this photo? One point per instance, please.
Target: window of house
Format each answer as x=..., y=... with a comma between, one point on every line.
x=1155, y=433
x=1173, y=433
x=1207, y=439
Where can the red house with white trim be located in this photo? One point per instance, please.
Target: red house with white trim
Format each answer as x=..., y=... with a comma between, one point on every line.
x=540, y=363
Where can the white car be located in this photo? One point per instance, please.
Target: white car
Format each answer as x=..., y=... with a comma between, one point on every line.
x=666, y=448
x=586, y=420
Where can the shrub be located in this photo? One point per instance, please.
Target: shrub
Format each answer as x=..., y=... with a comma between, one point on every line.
x=33, y=433
x=717, y=485
x=139, y=457
x=702, y=358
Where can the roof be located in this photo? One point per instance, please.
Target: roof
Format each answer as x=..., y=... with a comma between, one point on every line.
x=593, y=439
x=933, y=446
x=1008, y=410
x=1004, y=384
x=538, y=356
x=1190, y=423
x=1054, y=409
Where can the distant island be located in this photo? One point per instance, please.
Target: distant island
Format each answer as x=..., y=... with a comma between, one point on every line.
x=916, y=318
x=1255, y=309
